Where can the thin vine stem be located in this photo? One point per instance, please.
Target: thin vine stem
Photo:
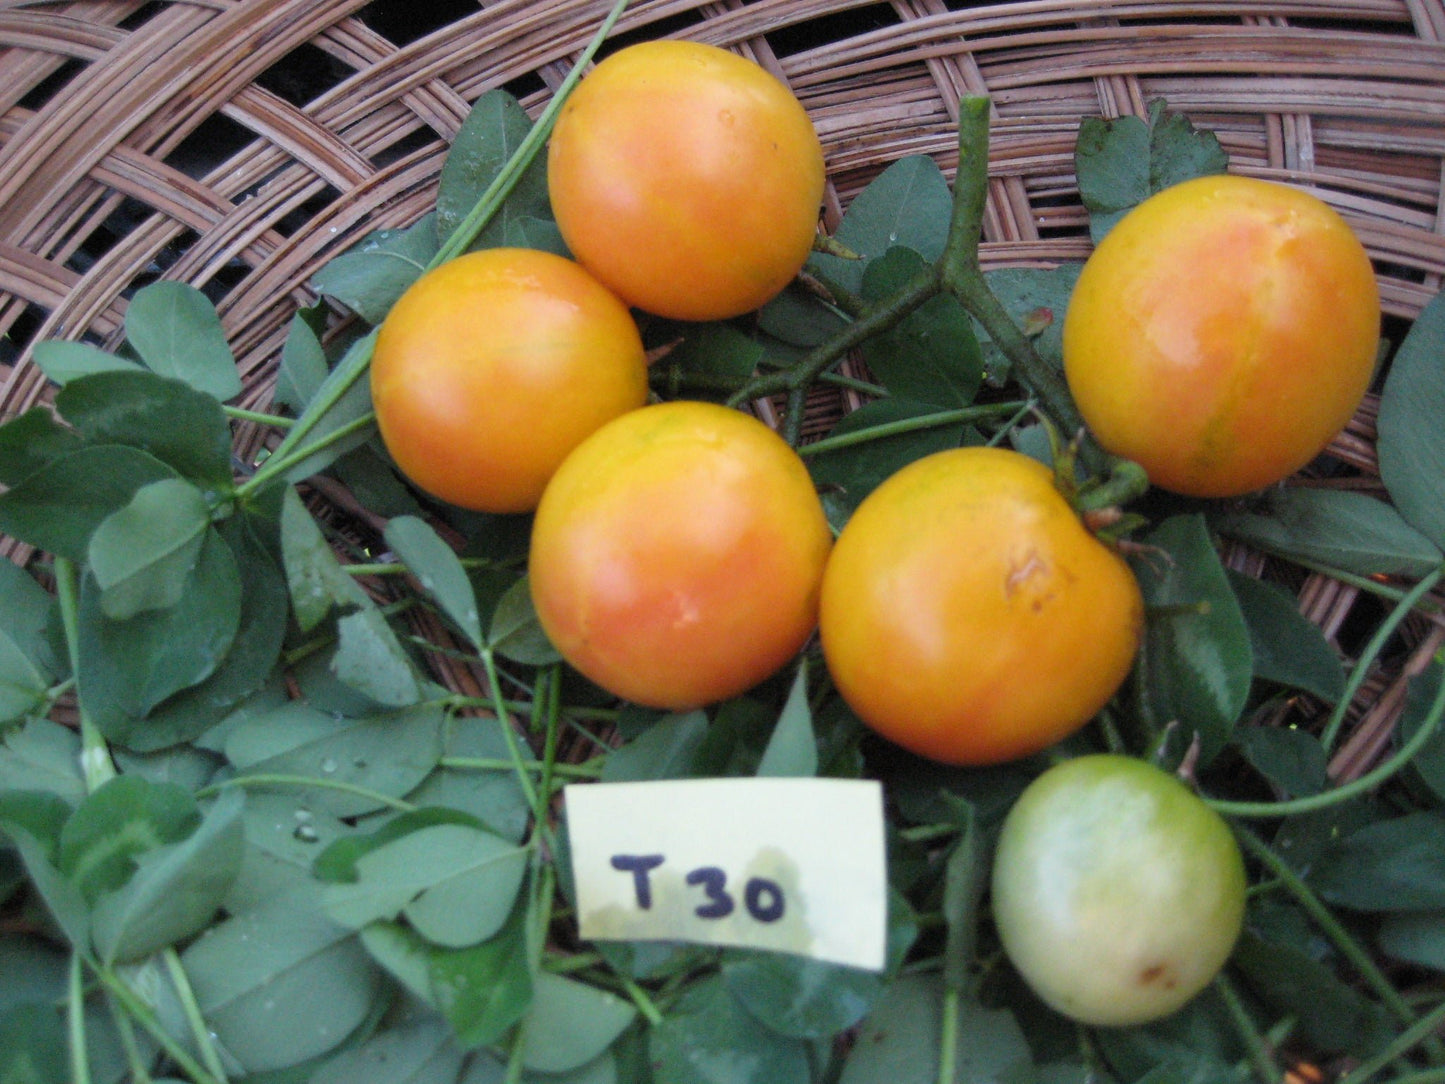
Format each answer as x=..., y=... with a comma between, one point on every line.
x=1419, y=1032
x=1372, y=650
x=307, y=782
x=961, y=416
x=95, y=760
x=1355, y=953
x=75, y=1022
x=1345, y=791
x=1255, y=1044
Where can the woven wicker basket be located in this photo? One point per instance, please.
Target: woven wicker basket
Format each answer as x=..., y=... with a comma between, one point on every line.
x=239, y=144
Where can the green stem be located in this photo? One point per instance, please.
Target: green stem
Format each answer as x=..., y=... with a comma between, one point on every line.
x=1357, y=956
x=283, y=459
x=961, y=416
x=496, y=764
x=1259, y=1052
x=75, y=1023
x=141, y=1012
x=1372, y=650
x=1346, y=791
x=306, y=782
x=533, y=142
x=514, y=749
x=948, y=1038
x=810, y=366
x=645, y=1005
x=181, y=982
x=275, y=421
x=95, y=761
x=1416, y=1033
x=125, y=1029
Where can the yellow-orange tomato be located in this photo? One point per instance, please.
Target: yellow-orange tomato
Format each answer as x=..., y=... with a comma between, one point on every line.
x=1222, y=333
x=687, y=178
x=492, y=367
x=676, y=555
x=969, y=616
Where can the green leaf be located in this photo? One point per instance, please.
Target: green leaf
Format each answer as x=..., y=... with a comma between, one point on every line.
x=176, y=889
x=1029, y=294
x=1293, y=760
x=1289, y=649
x=932, y=356
x=1336, y=528
x=42, y=755
x=793, y=748
x=280, y=984
x=63, y=361
x=389, y=753
x=491, y=134
x=32, y=619
x=1196, y=662
x=183, y=428
x=123, y=819
x=1332, y=1016
x=33, y=820
x=799, y=997
x=899, y=1040
x=483, y=990
x=249, y=661
x=351, y=412
x=439, y=571
x=718, y=353
x=314, y=576
x=456, y=884
x=668, y=749
x=493, y=796
x=1410, y=446
x=303, y=366
x=129, y=667
x=283, y=836
x=141, y=555
x=369, y=278
x=1429, y=763
x=1416, y=937
x=33, y=1046
x=417, y=1051
x=34, y=970
x=907, y=205
x=708, y=1038
x=22, y=686
x=1392, y=865
x=1120, y=163
x=848, y=474
x=370, y=659
x=570, y=1023
x=31, y=441
x=516, y=633
x=59, y=506
x=175, y=330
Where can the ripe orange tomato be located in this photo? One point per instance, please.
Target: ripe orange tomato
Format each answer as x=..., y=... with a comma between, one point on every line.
x=1222, y=333
x=969, y=616
x=492, y=367
x=686, y=178
x=1118, y=894
x=676, y=555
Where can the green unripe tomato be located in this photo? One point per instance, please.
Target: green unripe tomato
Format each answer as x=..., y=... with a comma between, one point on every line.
x=1118, y=894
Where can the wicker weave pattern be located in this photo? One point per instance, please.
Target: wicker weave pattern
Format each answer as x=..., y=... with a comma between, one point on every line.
x=140, y=140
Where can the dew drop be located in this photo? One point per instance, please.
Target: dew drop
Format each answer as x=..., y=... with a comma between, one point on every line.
x=328, y=765
x=306, y=834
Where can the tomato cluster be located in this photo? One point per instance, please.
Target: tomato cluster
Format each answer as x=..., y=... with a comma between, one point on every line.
x=680, y=554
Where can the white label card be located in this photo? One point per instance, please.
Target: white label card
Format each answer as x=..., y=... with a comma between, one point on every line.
x=794, y=865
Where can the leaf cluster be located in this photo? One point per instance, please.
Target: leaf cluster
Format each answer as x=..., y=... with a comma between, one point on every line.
x=281, y=845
